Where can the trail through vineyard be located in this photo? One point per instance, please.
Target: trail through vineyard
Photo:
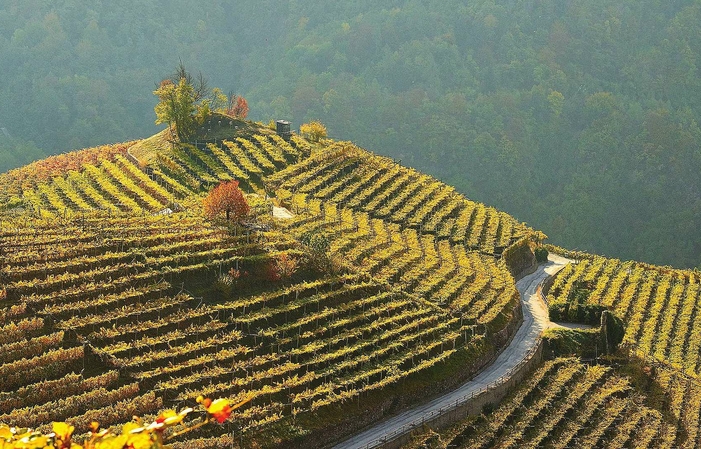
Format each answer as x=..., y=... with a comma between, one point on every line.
x=535, y=321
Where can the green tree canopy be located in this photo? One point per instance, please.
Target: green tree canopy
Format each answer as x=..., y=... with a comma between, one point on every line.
x=177, y=107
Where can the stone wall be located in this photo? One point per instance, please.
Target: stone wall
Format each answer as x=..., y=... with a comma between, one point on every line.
x=493, y=395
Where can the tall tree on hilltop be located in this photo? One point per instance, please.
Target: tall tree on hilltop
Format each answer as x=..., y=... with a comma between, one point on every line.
x=199, y=83
x=186, y=101
x=177, y=107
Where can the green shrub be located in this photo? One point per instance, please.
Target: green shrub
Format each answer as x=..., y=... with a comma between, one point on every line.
x=576, y=313
x=541, y=254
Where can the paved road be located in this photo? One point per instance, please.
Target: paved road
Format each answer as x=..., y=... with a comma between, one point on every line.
x=535, y=320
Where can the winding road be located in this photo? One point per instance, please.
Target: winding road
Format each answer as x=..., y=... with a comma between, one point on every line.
x=535, y=320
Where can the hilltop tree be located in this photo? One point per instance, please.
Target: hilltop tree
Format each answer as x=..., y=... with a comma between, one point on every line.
x=199, y=83
x=238, y=106
x=177, y=107
x=313, y=131
x=186, y=101
x=226, y=198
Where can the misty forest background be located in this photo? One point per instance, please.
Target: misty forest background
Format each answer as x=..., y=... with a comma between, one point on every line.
x=580, y=117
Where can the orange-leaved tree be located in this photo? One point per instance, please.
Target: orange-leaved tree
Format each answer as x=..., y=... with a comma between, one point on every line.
x=228, y=199
x=238, y=106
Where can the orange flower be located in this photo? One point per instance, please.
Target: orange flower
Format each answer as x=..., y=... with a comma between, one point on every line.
x=63, y=432
x=219, y=408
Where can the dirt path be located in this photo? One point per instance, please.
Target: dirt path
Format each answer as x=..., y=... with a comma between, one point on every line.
x=282, y=213
x=535, y=320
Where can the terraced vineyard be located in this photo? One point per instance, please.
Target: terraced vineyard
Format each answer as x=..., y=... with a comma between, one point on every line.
x=647, y=395
x=566, y=403
x=446, y=274
x=16, y=181
x=659, y=305
x=113, y=305
x=96, y=306
x=70, y=289
x=110, y=180
x=247, y=160
x=115, y=186
x=378, y=186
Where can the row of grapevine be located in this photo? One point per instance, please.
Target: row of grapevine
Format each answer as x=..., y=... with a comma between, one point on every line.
x=31, y=232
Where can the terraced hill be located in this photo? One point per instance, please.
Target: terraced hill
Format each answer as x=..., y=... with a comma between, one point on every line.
x=118, y=298
x=109, y=297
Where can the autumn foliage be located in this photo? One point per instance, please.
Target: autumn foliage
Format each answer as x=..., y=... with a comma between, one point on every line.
x=238, y=107
x=59, y=165
x=281, y=268
x=313, y=131
x=177, y=107
x=134, y=435
x=227, y=199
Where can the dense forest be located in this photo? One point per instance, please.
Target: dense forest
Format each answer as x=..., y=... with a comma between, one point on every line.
x=579, y=117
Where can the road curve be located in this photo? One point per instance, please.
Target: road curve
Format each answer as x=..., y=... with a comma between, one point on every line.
x=535, y=320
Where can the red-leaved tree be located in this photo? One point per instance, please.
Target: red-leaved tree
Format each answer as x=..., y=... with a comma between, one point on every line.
x=238, y=107
x=228, y=199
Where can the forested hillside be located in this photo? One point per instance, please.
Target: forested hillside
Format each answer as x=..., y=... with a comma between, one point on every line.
x=580, y=118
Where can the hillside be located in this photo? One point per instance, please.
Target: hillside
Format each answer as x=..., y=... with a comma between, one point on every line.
x=581, y=118
x=385, y=287
x=116, y=290
x=646, y=394
x=567, y=403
